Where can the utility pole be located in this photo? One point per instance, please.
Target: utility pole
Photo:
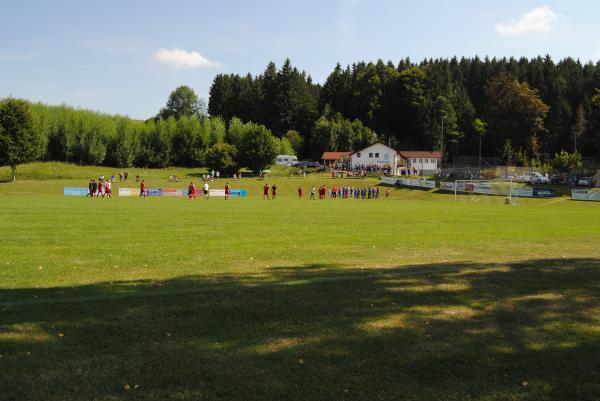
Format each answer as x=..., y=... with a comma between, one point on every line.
x=442, y=144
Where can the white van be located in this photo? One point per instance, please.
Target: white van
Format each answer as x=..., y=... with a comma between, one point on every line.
x=285, y=160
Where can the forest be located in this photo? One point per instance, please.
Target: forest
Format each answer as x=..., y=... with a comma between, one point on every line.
x=519, y=111
x=530, y=108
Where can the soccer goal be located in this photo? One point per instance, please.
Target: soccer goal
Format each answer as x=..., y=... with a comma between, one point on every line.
x=476, y=190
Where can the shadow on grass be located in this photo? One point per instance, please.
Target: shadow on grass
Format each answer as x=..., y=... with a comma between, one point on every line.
x=456, y=331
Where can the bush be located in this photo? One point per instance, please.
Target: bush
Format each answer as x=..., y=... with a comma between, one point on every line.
x=222, y=157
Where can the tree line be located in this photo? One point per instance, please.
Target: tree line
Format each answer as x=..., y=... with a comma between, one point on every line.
x=179, y=135
x=531, y=108
x=523, y=111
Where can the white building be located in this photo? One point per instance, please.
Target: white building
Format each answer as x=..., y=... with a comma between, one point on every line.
x=377, y=154
x=418, y=162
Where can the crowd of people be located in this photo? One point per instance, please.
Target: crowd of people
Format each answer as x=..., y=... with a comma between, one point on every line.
x=344, y=170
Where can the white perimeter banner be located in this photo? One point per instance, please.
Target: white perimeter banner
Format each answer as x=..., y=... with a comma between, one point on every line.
x=409, y=182
x=447, y=186
x=129, y=192
x=586, y=194
x=216, y=192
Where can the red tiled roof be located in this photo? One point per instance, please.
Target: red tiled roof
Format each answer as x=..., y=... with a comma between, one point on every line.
x=409, y=154
x=334, y=155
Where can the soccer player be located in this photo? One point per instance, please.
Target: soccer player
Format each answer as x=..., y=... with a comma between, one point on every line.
x=227, y=194
x=273, y=191
x=266, y=191
x=205, y=190
x=300, y=192
x=191, y=191
x=90, y=189
x=312, y=193
x=143, y=189
x=99, y=189
x=108, y=189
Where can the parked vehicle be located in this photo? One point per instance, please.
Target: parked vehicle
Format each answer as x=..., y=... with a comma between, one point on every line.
x=285, y=160
x=535, y=178
x=306, y=164
x=585, y=182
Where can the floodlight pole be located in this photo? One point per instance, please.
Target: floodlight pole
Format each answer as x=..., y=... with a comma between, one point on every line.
x=455, y=188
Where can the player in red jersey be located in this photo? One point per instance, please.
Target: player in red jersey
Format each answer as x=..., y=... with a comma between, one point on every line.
x=300, y=192
x=143, y=189
x=108, y=189
x=191, y=191
x=266, y=192
x=227, y=191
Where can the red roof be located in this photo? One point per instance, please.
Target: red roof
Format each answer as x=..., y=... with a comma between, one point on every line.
x=410, y=154
x=334, y=155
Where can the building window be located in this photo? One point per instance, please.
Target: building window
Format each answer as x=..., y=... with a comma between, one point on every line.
x=358, y=154
x=426, y=161
x=414, y=160
x=376, y=154
x=421, y=161
x=386, y=156
x=370, y=154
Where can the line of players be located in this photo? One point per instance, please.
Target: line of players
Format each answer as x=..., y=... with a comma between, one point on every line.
x=332, y=193
x=337, y=192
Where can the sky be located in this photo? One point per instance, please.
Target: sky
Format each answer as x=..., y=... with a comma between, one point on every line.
x=126, y=56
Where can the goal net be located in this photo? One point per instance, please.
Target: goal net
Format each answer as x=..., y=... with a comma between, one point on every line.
x=485, y=190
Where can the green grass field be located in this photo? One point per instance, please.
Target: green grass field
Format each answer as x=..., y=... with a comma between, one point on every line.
x=409, y=298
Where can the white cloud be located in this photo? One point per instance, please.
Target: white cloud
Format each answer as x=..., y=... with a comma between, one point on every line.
x=180, y=58
x=539, y=19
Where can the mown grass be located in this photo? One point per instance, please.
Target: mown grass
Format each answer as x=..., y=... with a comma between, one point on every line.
x=409, y=298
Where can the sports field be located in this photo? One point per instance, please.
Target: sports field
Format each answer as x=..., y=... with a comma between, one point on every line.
x=409, y=298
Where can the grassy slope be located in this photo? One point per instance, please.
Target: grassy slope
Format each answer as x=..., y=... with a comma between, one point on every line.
x=409, y=298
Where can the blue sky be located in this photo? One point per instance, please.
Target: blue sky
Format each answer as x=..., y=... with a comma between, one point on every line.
x=127, y=56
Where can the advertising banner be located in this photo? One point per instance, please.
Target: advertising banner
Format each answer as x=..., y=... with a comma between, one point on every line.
x=129, y=192
x=447, y=186
x=75, y=191
x=154, y=192
x=390, y=180
x=543, y=193
x=238, y=192
x=409, y=182
x=522, y=192
x=586, y=194
x=217, y=192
